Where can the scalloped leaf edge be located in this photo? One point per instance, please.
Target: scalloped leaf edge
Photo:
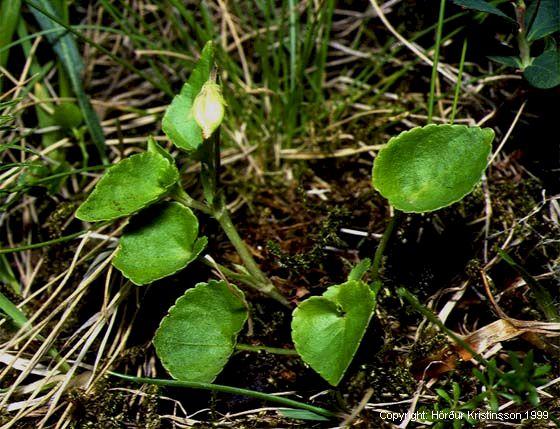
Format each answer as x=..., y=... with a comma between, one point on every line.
x=415, y=130
x=239, y=294
x=198, y=246
x=109, y=172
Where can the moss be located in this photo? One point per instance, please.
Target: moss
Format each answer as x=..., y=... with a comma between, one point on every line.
x=108, y=408
x=535, y=424
x=326, y=235
x=58, y=218
x=390, y=381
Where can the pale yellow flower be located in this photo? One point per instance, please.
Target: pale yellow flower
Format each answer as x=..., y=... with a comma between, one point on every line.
x=208, y=108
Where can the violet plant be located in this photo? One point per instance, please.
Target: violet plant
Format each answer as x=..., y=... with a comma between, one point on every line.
x=420, y=170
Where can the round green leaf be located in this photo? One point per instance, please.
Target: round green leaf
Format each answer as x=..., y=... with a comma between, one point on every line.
x=431, y=167
x=158, y=242
x=178, y=122
x=129, y=186
x=328, y=329
x=544, y=71
x=195, y=340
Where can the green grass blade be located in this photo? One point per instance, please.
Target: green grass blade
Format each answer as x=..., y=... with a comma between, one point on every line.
x=436, y=60
x=9, y=15
x=459, y=81
x=542, y=296
x=66, y=49
x=7, y=275
x=11, y=310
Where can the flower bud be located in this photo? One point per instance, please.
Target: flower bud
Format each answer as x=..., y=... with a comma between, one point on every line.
x=208, y=108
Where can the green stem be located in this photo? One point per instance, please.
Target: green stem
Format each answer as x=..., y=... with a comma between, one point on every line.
x=263, y=284
x=524, y=49
x=436, y=60
x=215, y=206
x=541, y=295
x=378, y=257
x=246, y=279
x=432, y=318
x=42, y=244
x=273, y=350
x=257, y=278
x=522, y=43
x=459, y=80
x=56, y=176
x=227, y=389
x=181, y=196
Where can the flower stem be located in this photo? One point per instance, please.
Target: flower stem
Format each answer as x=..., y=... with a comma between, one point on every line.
x=263, y=283
x=227, y=389
x=273, y=350
x=378, y=257
x=181, y=196
x=522, y=43
x=256, y=278
x=432, y=318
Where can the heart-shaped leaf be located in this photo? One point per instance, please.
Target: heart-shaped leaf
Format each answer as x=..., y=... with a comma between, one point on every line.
x=427, y=168
x=195, y=340
x=129, y=186
x=328, y=329
x=544, y=71
x=158, y=242
x=178, y=122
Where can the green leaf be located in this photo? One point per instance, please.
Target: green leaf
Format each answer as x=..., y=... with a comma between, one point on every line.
x=128, y=187
x=12, y=311
x=359, y=271
x=158, y=242
x=482, y=6
x=430, y=167
x=153, y=146
x=178, y=122
x=511, y=61
x=544, y=71
x=203, y=68
x=328, y=329
x=65, y=47
x=545, y=18
x=195, y=340
x=292, y=413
